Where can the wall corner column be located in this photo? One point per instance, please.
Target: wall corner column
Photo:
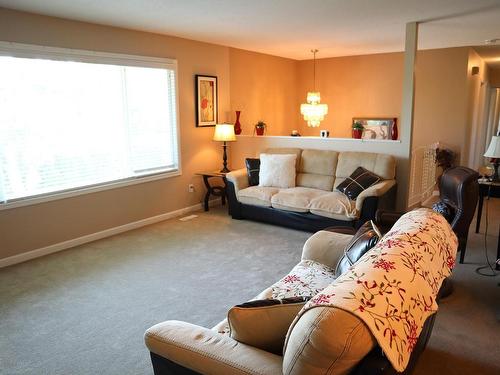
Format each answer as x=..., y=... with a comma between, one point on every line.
x=407, y=111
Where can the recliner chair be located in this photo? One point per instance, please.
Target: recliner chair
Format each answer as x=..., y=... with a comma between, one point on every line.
x=459, y=192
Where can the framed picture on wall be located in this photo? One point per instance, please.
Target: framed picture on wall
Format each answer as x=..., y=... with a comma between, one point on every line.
x=206, y=100
x=377, y=127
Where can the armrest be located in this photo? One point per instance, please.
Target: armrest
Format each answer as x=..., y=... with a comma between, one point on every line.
x=239, y=178
x=386, y=219
x=376, y=190
x=325, y=247
x=208, y=352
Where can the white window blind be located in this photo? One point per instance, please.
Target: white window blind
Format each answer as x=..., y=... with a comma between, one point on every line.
x=68, y=125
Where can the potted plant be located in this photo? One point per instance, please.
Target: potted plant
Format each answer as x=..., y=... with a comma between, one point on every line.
x=357, y=129
x=260, y=127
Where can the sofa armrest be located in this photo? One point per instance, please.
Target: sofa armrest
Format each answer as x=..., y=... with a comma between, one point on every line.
x=239, y=178
x=376, y=190
x=325, y=247
x=208, y=352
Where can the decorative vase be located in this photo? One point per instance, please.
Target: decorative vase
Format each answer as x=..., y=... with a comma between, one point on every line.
x=237, y=125
x=394, y=130
x=357, y=133
x=259, y=131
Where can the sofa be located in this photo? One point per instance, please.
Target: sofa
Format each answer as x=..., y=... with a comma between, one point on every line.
x=322, y=339
x=314, y=203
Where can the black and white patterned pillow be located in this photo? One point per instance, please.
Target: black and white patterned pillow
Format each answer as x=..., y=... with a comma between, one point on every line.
x=253, y=168
x=359, y=180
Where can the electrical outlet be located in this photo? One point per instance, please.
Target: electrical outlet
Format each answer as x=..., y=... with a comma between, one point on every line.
x=191, y=188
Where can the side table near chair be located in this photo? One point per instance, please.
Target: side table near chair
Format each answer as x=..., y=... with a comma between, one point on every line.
x=490, y=190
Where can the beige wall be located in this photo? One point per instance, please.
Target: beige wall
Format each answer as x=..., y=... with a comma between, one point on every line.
x=353, y=86
x=495, y=77
x=31, y=227
x=441, y=98
x=263, y=87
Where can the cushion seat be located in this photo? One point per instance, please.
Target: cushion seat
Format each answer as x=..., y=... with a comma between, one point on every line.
x=335, y=205
x=295, y=199
x=257, y=195
x=306, y=279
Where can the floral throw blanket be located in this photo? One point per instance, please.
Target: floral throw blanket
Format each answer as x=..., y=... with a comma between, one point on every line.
x=393, y=287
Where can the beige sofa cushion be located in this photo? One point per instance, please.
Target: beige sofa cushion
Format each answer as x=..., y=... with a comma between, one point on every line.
x=263, y=326
x=326, y=340
x=295, y=199
x=380, y=164
x=317, y=169
x=334, y=205
x=257, y=195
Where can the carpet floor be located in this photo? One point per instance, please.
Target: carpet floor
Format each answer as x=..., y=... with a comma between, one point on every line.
x=84, y=310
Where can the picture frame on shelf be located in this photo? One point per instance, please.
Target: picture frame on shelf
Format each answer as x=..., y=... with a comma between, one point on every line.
x=206, y=100
x=377, y=127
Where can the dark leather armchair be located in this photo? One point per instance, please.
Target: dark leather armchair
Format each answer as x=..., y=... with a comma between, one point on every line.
x=458, y=191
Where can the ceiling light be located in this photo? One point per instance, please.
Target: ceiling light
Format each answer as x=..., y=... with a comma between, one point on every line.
x=313, y=111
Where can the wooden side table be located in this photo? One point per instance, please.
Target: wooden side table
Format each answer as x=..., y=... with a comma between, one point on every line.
x=216, y=190
x=490, y=190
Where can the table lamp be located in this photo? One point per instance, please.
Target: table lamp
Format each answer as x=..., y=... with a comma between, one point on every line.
x=493, y=152
x=224, y=133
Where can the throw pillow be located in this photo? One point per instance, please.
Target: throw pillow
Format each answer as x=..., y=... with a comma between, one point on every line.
x=253, y=167
x=359, y=180
x=277, y=170
x=264, y=323
x=444, y=209
x=365, y=238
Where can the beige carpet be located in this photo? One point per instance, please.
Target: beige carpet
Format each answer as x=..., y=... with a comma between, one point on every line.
x=84, y=310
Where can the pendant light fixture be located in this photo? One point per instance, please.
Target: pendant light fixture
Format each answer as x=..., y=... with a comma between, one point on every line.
x=313, y=111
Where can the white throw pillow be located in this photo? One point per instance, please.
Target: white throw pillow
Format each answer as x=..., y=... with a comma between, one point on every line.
x=277, y=170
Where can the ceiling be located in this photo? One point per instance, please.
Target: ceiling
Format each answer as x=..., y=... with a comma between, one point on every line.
x=290, y=28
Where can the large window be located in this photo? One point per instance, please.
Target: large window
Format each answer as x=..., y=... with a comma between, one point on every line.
x=75, y=121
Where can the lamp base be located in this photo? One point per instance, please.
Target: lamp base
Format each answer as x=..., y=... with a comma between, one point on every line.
x=225, y=170
x=495, y=176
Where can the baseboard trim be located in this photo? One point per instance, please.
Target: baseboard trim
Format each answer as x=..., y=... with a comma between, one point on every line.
x=23, y=257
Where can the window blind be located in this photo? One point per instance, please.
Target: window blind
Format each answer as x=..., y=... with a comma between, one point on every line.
x=68, y=125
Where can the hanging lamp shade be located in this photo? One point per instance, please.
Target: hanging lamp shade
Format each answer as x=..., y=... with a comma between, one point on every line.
x=313, y=111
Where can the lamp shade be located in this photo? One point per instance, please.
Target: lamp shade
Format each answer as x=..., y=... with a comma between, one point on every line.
x=224, y=133
x=493, y=150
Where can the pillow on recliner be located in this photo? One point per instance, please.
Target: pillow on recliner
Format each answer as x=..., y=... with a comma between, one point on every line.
x=365, y=238
x=361, y=179
x=264, y=323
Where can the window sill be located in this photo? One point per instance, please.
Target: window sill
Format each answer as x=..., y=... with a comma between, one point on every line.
x=22, y=202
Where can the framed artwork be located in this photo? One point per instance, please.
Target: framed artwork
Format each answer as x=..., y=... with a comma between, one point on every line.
x=206, y=100
x=376, y=127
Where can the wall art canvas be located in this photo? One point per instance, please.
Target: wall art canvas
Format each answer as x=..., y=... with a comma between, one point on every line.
x=376, y=128
x=206, y=100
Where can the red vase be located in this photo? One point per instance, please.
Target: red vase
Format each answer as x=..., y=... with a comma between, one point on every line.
x=394, y=130
x=237, y=125
x=357, y=133
x=259, y=131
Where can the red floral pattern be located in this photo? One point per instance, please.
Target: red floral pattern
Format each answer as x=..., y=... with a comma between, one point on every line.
x=307, y=278
x=393, y=287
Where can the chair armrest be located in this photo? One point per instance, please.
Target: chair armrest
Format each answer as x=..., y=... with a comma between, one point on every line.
x=386, y=219
x=325, y=247
x=208, y=352
x=239, y=178
x=376, y=190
